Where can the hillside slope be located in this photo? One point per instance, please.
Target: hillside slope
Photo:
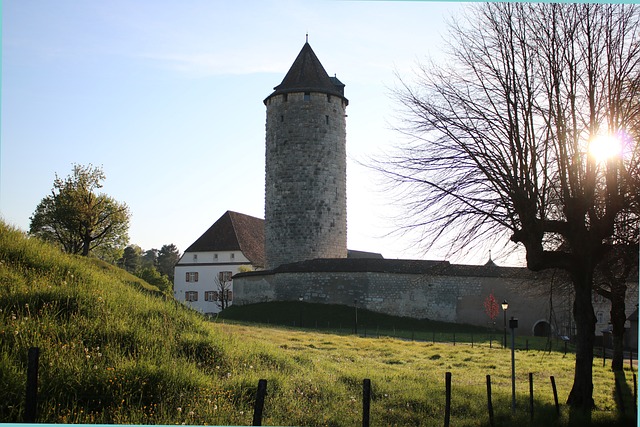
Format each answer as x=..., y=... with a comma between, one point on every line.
x=112, y=348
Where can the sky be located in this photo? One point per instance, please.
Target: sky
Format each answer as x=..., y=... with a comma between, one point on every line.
x=166, y=96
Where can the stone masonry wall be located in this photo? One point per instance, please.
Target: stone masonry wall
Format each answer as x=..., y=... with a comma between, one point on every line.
x=305, y=200
x=443, y=298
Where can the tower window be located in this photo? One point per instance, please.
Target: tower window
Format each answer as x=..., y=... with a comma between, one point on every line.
x=307, y=96
x=326, y=118
x=328, y=98
x=282, y=118
x=285, y=97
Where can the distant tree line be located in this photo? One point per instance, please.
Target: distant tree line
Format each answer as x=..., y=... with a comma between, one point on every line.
x=153, y=266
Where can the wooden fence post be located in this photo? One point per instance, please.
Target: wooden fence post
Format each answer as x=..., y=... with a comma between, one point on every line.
x=531, y=395
x=366, y=402
x=447, y=405
x=489, y=404
x=31, y=403
x=555, y=394
x=259, y=404
x=635, y=392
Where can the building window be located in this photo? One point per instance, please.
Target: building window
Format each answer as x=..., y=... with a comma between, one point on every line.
x=215, y=257
x=307, y=96
x=192, y=276
x=233, y=256
x=600, y=316
x=195, y=257
x=211, y=296
x=191, y=296
x=225, y=276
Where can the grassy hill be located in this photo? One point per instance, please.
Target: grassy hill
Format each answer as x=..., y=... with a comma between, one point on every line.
x=115, y=350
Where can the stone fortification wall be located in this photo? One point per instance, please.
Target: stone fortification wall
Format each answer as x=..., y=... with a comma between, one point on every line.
x=306, y=173
x=437, y=297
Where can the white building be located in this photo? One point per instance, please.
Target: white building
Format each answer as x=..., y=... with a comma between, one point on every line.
x=234, y=243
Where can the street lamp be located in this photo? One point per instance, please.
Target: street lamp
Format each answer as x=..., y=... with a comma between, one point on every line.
x=355, y=304
x=505, y=306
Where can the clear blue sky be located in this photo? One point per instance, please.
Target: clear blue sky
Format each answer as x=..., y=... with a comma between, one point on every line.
x=167, y=97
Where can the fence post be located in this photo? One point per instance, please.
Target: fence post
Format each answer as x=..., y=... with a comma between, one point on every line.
x=635, y=392
x=366, y=402
x=631, y=359
x=489, y=404
x=32, y=385
x=555, y=394
x=454, y=338
x=259, y=404
x=447, y=405
x=531, y=395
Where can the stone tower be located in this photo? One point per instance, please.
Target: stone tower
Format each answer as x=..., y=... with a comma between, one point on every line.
x=306, y=166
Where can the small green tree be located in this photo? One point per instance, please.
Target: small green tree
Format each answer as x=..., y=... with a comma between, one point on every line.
x=131, y=258
x=150, y=258
x=168, y=257
x=153, y=277
x=77, y=218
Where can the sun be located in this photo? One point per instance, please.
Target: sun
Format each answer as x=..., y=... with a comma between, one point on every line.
x=605, y=147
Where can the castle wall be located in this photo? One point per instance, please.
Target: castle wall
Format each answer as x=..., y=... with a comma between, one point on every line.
x=305, y=200
x=458, y=299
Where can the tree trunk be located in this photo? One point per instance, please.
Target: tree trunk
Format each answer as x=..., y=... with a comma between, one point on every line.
x=618, y=317
x=581, y=395
x=85, y=247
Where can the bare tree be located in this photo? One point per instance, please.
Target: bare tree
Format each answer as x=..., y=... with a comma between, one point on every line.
x=224, y=292
x=500, y=138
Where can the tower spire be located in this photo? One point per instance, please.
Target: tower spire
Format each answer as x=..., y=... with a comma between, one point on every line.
x=307, y=37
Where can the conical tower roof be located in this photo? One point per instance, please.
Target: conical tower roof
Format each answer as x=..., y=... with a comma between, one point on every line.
x=308, y=75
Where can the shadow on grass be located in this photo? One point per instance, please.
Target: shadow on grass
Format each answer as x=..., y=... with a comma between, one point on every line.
x=624, y=399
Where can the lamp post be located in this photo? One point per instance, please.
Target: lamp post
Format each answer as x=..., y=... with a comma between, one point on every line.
x=355, y=328
x=513, y=324
x=505, y=306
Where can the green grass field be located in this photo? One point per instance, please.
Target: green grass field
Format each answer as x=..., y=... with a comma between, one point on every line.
x=114, y=350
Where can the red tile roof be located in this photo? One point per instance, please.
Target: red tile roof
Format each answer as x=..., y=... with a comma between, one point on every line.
x=234, y=232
